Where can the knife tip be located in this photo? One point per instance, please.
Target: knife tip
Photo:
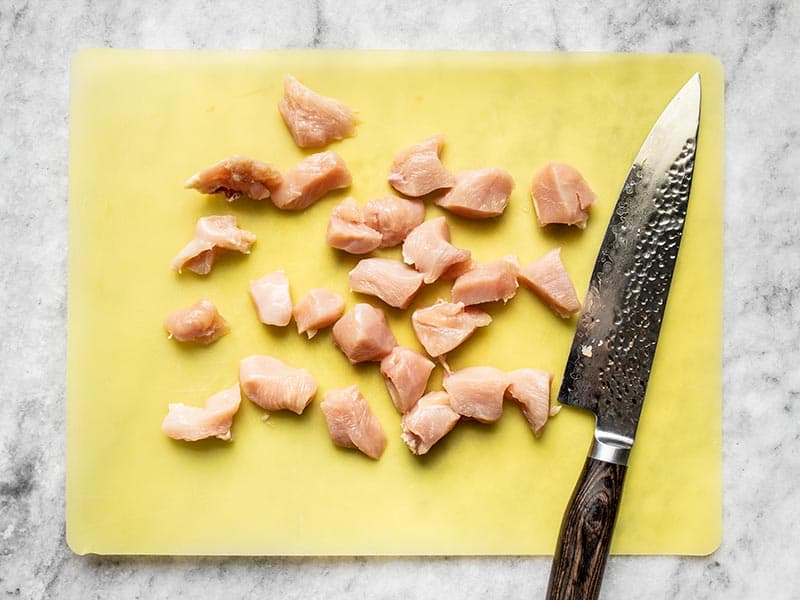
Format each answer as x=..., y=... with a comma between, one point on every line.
x=691, y=91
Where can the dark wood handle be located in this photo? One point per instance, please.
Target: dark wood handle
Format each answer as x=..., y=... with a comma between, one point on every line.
x=585, y=536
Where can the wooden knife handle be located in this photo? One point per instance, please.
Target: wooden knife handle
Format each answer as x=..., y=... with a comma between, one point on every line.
x=585, y=537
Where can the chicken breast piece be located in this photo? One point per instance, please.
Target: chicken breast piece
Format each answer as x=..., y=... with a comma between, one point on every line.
x=272, y=385
x=318, y=309
x=560, y=194
x=310, y=179
x=348, y=230
x=362, y=334
x=428, y=422
x=271, y=298
x=477, y=392
x=487, y=282
x=212, y=237
x=479, y=194
x=192, y=423
x=457, y=270
x=428, y=248
x=390, y=280
x=314, y=120
x=549, y=279
x=236, y=176
x=530, y=388
x=200, y=323
x=417, y=170
x=197, y=256
x=445, y=325
x=406, y=373
x=394, y=218
x=351, y=423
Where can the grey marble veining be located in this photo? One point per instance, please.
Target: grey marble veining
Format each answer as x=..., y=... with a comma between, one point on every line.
x=758, y=43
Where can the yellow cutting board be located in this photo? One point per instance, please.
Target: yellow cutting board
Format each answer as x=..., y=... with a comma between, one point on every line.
x=142, y=122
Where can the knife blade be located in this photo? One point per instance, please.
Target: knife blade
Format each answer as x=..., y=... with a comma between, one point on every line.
x=615, y=340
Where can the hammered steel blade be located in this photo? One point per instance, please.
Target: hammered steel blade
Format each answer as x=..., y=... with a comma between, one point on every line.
x=615, y=340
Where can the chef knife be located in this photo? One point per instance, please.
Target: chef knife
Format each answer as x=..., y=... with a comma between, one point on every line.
x=615, y=340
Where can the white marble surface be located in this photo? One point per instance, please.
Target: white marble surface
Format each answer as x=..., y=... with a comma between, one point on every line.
x=759, y=45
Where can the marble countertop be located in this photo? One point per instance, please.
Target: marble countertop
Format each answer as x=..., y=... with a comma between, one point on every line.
x=759, y=46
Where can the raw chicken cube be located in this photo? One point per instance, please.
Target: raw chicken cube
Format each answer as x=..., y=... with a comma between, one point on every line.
x=390, y=280
x=394, y=218
x=272, y=385
x=479, y=194
x=192, y=423
x=445, y=325
x=428, y=248
x=487, y=282
x=417, y=170
x=530, y=388
x=381, y=223
x=318, y=309
x=270, y=295
x=198, y=257
x=477, y=392
x=561, y=195
x=236, y=176
x=314, y=120
x=351, y=423
x=200, y=323
x=457, y=270
x=348, y=230
x=431, y=419
x=224, y=232
x=362, y=334
x=549, y=279
x=406, y=373
x=310, y=179
x=212, y=236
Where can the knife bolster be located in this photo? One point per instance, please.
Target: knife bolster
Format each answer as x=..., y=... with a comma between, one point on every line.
x=610, y=449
